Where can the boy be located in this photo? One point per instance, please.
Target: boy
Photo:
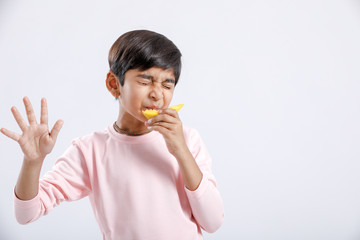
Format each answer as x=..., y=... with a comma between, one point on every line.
x=146, y=179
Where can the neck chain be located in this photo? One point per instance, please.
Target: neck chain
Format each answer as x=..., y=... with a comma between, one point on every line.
x=126, y=132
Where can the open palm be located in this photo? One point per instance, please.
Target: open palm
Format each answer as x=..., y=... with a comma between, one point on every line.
x=36, y=141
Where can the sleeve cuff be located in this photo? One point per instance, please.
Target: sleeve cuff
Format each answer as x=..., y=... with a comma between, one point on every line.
x=26, y=203
x=201, y=189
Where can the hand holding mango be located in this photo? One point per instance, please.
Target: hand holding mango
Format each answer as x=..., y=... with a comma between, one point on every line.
x=152, y=113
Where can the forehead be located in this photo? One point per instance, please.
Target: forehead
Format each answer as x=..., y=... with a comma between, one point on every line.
x=156, y=72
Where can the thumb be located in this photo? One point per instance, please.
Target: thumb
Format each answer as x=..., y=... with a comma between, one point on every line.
x=56, y=129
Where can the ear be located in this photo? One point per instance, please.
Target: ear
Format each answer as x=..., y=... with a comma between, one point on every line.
x=112, y=84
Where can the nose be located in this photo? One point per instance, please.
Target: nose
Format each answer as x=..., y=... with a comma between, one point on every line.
x=156, y=92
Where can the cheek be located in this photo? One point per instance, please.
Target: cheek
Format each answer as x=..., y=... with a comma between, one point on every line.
x=129, y=92
x=168, y=96
x=135, y=97
x=127, y=97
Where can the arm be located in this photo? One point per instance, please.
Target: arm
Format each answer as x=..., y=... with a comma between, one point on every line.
x=195, y=167
x=36, y=142
x=169, y=125
x=205, y=201
x=68, y=180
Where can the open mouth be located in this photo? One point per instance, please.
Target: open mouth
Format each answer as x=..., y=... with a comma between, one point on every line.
x=150, y=112
x=152, y=108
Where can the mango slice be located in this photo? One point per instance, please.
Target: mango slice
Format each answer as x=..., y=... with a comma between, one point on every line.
x=152, y=113
x=177, y=107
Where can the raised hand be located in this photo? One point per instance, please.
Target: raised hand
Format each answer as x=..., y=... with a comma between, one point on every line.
x=36, y=141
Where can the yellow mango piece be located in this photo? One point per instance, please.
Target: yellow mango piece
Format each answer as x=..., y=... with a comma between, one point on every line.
x=177, y=107
x=152, y=113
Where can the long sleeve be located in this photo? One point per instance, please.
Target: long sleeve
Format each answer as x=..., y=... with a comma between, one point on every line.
x=67, y=181
x=134, y=186
x=205, y=201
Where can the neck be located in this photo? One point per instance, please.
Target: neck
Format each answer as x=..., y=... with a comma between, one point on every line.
x=128, y=123
x=122, y=131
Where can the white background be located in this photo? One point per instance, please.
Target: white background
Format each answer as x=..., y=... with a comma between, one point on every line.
x=272, y=86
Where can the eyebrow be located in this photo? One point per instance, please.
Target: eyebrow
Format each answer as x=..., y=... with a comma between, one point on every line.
x=146, y=76
x=170, y=80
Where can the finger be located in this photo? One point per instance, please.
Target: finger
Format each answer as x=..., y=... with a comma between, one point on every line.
x=19, y=119
x=56, y=129
x=159, y=129
x=168, y=126
x=44, y=112
x=169, y=111
x=29, y=111
x=10, y=134
x=163, y=117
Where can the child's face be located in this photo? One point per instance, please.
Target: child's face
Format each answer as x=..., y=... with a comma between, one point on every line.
x=149, y=89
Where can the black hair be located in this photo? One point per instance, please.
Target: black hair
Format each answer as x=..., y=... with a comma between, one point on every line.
x=143, y=49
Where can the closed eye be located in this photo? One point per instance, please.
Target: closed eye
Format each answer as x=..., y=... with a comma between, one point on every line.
x=145, y=82
x=167, y=87
x=169, y=83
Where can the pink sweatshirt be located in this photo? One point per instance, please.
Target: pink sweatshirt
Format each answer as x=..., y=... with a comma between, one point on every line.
x=134, y=186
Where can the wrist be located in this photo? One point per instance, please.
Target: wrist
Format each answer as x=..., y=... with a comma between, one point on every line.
x=33, y=163
x=181, y=152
